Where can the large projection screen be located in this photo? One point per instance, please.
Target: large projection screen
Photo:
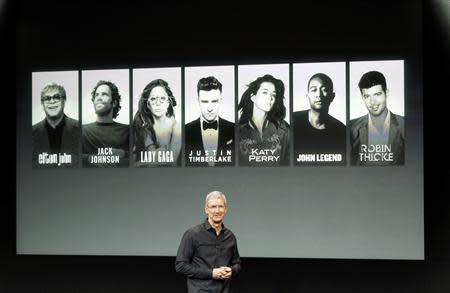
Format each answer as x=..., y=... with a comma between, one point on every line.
x=341, y=211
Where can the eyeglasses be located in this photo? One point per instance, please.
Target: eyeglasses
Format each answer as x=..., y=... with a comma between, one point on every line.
x=161, y=99
x=47, y=99
x=213, y=207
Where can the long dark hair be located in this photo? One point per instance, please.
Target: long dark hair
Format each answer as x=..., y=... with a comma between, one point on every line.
x=278, y=111
x=143, y=119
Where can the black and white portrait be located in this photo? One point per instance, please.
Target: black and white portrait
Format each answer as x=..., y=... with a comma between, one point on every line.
x=156, y=124
x=209, y=116
x=105, y=118
x=56, y=130
x=263, y=111
x=319, y=116
x=377, y=134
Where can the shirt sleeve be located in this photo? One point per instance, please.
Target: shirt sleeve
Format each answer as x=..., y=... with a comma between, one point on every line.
x=183, y=262
x=236, y=262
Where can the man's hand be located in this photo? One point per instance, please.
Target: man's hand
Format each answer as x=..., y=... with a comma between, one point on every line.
x=222, y=273
x=228, y=272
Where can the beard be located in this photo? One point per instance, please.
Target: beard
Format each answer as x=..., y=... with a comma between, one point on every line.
x=104, y=111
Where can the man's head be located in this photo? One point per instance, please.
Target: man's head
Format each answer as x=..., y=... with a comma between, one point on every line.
x=320, y=92
x=53, y=100
x=374, y=92
x=216, y=206
x=106, y=99
x=209, y=91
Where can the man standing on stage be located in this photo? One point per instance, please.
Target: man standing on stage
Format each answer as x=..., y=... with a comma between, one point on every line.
x=208, y=255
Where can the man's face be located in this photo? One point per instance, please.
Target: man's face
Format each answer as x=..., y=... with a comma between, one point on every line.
x=158, y=101
x=103, y=100
x=375, y=99
x=53, y=104
x=320, y=95
x=209, y=102
x=265, y=96
x=216, y=210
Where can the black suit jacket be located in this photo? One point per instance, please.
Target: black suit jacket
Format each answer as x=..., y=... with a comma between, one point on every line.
x=70, y=141
x=194, y=141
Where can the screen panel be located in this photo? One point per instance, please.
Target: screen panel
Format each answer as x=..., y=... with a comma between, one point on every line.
x=344, y=211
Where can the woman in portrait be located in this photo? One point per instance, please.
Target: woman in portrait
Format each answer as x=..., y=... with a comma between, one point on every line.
x=157, y=134
x=263, y=133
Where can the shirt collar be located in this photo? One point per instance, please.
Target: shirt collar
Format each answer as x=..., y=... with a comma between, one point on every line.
x=208, y=226
x=60, y=125
x=387, y=122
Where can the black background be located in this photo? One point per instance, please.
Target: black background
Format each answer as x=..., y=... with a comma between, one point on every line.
x=49, y=35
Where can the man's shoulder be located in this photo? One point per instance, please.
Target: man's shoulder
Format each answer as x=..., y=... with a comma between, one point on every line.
x=39, y=126
x=398, y=122
x=192, y=124
x=299, y=117
x=336, y=123
x=299, y=114
x=90, y=127
x=71, y=123
x=121, y=126
x=397, y=118
x=195, y=229
x=192, y=131
x=358, y=122
x=225, y=123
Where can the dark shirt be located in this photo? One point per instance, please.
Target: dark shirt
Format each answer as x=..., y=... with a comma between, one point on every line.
x=200, y=251
x=55, y=135
x=106, y=135
x=309, y=140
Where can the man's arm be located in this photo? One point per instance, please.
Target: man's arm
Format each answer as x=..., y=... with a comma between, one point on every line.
x=236, y=262
x=183, y=261
x=235, y=267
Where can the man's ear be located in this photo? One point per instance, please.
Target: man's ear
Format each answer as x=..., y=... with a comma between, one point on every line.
x=332, y=96
x=387, y=93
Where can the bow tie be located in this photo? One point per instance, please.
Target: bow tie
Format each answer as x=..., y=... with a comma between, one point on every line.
x=212, y=125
